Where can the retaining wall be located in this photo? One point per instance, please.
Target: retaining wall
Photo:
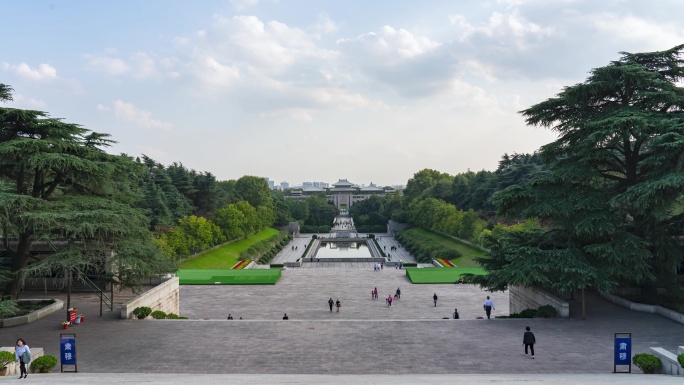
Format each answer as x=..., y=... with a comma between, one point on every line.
x=655, y=309
x=164, y=297
x=521, y=298
x=34, y=315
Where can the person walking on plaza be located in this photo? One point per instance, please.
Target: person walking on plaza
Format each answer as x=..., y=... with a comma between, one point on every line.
x=398, y=294
x=339, y=305
x=389, y=300
x=376, y=293
x=434, y=298
x=23, y=355
x=330, y=303
x=285, y=317
x=456, y=314
x=488, y=307
x=529, y=340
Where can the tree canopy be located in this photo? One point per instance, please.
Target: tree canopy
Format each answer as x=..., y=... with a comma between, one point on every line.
x=58, y=186
x=612, y=189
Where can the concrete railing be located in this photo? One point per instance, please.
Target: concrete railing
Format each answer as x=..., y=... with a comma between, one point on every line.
x=521, y=298
x=669, y=361
x=34, y=315
x=654, y=309
x=164, y=297
x=13, y=367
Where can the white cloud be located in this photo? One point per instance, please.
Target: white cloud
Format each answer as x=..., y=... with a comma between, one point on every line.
x=130, y=113
x=107, y=65
x=21, y=101
x=43, y=74
x=652, y=34
x=140, y=65
x=390, y=42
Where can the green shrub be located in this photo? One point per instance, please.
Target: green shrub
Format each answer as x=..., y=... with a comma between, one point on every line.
x=182, y=317
x=546, y=311
x=44, y=364
x=6, y=358
x=8, y=308
x=171, y=316
x=158, y=314
x=528, y=313
x=680, y=358
x=648, y=363
x=142, y=312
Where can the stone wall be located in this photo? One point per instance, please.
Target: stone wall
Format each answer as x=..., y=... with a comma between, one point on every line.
x=521, y=298
x=642, y=307
x=164, y=297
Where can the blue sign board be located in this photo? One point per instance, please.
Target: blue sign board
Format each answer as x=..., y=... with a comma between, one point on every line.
x=623, y=350
x=67, y=350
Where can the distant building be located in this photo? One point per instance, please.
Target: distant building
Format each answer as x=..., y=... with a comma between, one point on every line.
x=271, y=184
x=284, y=186
x=343, y=194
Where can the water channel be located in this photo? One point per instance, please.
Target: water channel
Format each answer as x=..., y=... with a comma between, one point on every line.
x=343, y=250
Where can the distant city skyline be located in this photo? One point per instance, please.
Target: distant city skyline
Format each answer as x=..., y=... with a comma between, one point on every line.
x=317, y=90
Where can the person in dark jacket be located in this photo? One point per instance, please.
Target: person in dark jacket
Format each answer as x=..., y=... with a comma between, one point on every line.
x=434, y=298
x=331, y=303
x=456, y=316
x=529, y=340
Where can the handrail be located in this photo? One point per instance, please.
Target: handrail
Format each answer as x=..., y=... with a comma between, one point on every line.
x=96, y=289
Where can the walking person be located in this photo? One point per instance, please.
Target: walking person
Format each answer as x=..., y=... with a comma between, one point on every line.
x=330, y=303
x=488, y=307
x=456, y=316
x=434, y=298
x=339, y=305
x=529, y=340
x=23, y=355
x=398, y=294
x=285, y=317
x=376, y=293
x=389, y=301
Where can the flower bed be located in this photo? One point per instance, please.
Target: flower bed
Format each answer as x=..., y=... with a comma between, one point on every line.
x=445, y=262
x=241, y=264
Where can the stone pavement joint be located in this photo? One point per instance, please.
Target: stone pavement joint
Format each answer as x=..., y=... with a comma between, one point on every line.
x=366, y=338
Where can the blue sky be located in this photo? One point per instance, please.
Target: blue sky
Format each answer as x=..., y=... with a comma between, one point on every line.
x=317, y=90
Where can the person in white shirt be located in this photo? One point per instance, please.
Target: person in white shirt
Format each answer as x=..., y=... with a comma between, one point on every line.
x=488, y=307
x=23, y=359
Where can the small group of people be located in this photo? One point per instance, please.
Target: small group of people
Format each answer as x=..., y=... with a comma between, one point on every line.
x=378, y=266
x=295, y=248
x=332, y=303
x=231, y=317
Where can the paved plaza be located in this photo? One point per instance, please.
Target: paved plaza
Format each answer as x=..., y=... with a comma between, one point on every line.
x=365, y=338
x=303, y=294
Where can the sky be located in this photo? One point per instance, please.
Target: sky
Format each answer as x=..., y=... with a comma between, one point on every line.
x=304, y=90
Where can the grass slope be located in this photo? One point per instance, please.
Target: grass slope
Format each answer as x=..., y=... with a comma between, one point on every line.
x=468, y=253
x=229, y=277
x=439, y=274
x=226, y=256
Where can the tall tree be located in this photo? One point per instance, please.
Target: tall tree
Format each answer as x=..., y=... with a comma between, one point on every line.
x=254, y=190
x=57, y=185
x=615, y=174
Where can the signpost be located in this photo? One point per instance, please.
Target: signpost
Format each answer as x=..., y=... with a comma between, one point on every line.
x=623, y=351
x=67, y=350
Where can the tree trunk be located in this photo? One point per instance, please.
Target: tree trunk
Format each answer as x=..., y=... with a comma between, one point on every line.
x=19, y=262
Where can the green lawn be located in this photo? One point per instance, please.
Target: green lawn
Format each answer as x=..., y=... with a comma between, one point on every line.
x=229, y=277
x=226, y=256
x=468, y=253
x=439, y=274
